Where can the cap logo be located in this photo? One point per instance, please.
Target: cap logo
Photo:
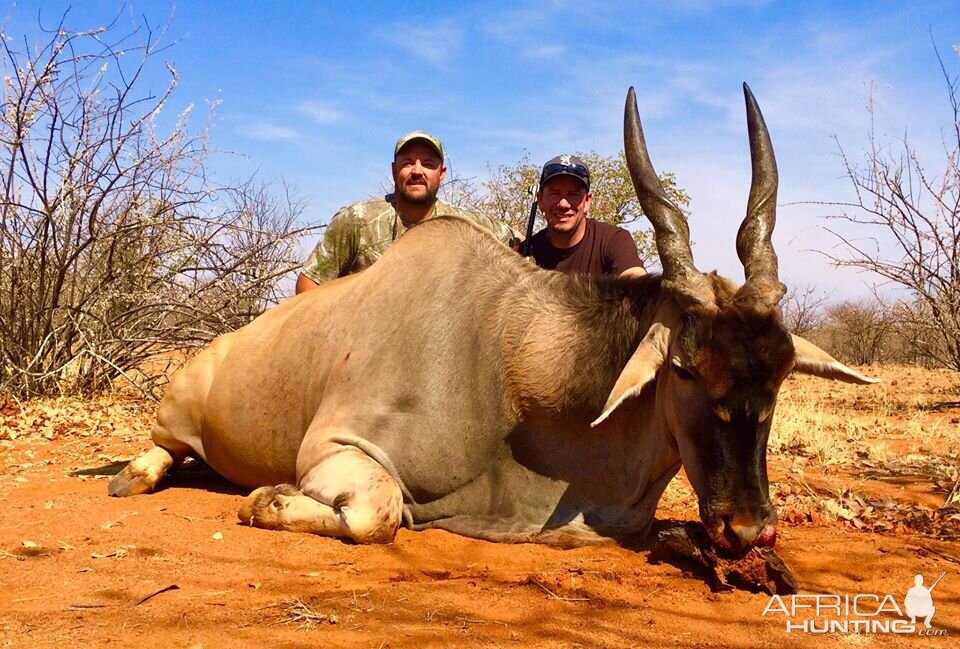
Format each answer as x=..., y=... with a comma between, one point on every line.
x=565, y=160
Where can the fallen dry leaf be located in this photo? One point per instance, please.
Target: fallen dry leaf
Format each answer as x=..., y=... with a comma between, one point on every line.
x=118, y=553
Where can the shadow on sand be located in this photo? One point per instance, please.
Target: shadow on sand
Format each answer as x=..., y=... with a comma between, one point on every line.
x=191, y=474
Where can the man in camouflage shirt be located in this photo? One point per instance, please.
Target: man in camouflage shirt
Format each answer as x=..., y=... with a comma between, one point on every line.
x=360, y=233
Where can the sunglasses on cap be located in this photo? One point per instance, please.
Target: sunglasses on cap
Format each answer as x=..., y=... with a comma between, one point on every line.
x=558, y=169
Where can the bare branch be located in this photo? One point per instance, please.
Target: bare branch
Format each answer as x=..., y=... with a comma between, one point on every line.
x=913, y=226
x=115, y=247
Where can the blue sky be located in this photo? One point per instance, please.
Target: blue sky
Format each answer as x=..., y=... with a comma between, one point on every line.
x=317, y=92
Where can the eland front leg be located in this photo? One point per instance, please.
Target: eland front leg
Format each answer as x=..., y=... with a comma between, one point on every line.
x=341, y=492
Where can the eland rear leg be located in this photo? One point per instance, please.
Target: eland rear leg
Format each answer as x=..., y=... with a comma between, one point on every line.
x=347, y=494
x=176, y=436
x=142, y=474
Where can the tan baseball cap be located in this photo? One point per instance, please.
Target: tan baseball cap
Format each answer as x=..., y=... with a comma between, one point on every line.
x=419, y=135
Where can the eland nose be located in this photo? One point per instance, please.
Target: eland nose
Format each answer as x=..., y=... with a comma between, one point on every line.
x=741, y=534
x=744, y=532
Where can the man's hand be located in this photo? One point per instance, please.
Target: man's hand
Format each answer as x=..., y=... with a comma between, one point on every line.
x=636, y=271
x=304, y=283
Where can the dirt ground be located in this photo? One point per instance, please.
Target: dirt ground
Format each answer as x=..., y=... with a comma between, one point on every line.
x=176, y=568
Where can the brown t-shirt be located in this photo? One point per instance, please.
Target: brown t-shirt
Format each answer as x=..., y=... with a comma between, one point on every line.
x=604, y=250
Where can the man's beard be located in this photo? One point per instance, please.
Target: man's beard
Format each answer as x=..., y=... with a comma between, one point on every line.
x=427, y=198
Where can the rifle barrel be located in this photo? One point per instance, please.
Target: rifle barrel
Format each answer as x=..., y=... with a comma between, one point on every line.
x=942, y=575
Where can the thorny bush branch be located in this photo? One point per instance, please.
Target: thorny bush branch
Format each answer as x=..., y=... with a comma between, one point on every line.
x=117, y=252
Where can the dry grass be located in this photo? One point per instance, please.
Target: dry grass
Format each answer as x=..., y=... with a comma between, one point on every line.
x=903, y=431
x=304, y=615
x=830, y=423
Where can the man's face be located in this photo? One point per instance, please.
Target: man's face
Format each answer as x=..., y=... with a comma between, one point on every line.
x=565, y=203
x=417, y=172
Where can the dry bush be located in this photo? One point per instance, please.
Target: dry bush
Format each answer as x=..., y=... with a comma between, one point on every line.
x=858, y=331
x=803, y=309
x=907, y=230
x=115, y=246
x=862, y=331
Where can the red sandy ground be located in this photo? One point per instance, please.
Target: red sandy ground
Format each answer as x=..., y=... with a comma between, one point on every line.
x=77, y=567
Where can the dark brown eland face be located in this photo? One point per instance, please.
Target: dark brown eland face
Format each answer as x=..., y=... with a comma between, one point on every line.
x=718, y=391
x=725, y=357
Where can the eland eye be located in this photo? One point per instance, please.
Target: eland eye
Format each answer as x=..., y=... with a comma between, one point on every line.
x=682, y=373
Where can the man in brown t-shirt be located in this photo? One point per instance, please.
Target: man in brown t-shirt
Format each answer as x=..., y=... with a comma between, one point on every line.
x=572, y=241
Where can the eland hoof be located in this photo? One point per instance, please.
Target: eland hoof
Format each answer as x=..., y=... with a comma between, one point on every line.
x=129, y=483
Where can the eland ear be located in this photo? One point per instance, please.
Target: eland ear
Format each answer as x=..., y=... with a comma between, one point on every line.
x=640, y=369
x=810, y=359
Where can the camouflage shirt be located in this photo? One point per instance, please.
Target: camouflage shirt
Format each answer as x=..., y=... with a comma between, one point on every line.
x=361, y=232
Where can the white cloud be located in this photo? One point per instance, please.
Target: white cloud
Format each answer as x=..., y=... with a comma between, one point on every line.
x=514, y=25
x=435, y=44
x=267, y=132
x=538, y=30
x=546, y=52
x=321, y=112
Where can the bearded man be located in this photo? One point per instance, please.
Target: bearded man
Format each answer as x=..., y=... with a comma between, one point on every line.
x=361, y=232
